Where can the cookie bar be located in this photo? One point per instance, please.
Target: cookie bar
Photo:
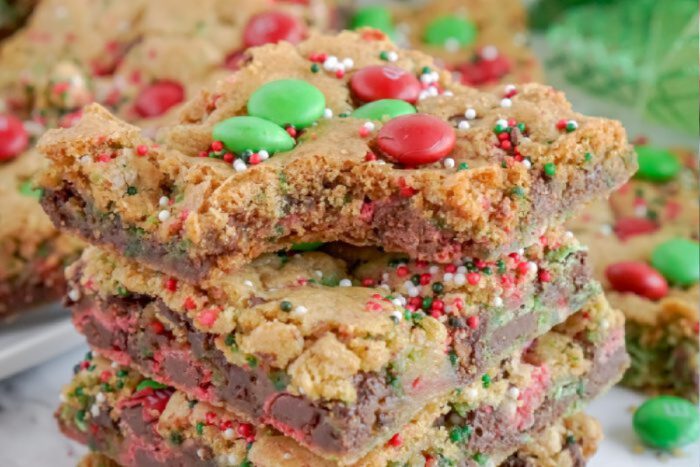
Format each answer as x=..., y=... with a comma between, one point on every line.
x=569, y=442
x=138, y=57
x=481, y=41
x=644, y=246
x=137, y=420
x=352, y=348
x=199, y=200
x=32, y=253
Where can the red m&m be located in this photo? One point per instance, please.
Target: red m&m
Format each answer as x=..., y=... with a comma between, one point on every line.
x=637, y=277
x=13, y=137
x=416, y=139
x=630, y=226
x=156, y=99
x=377, y=82
x=272, y=27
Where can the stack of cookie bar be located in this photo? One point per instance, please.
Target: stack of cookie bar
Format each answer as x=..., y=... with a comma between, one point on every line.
x=120, y=54
x=644, y=242
x=322, y=263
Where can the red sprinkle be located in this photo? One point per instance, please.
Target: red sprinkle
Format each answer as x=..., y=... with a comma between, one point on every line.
x=190, y=304
x=105, y=376
x=210, y=418
x=370, y=156
x=157, y=327
x=141, y=150
x=402, y=271
x=473, y=278
x=368, y=282
x=208, y=317
x=246, y=430
x=545, y=276
x=473, y=322
x=217, y=146
x=451, y=268
x=396, y=440
x=171, y=284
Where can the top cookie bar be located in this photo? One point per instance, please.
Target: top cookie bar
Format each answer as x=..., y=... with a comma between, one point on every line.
x=333, y=140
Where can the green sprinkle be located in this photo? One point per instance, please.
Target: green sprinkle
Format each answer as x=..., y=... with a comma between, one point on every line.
x=149, y=383
x=176, y=438
x=199, y=428
x=252, y=361
x=501, y=265
x=462, y=166
x=453, y=358
x=132, y=190
x=427, y=303
x=550, y=169
x=588, y=157
x=26, y=188
x=438, y=288
x=286, y=306
x=384, y=55
x=415, y=279
x=315, y=68
x=480, y=458
x=425, y=70
x=122, y=373
x=486, y=380
x=570, y=440
x=519, y=192
x=521, y=127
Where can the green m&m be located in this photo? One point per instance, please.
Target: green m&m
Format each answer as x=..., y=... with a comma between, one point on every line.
x=384, y=109
x=656, y=164
x=678, y=260
x=252, y=133
x=667, y=422
x=288, y=102
x=375, y=16
x=447, y=31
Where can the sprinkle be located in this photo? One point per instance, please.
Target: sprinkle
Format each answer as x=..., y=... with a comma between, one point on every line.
x=164, y=215
x=464, y=125
x=550, y=169
x=513, y=392
x=232, y=459
x=497, y=302
x=527, y=164
x=471, y=394
x=345, y=283
x=449, y=163
x=509, y=88
x=248, y=283
x=74, y=295
x=473, y=322
x=100, y=397
x=264, y=155
x=462, y=166
x=228, y=433
x=396, y=440
x=369, y=126
x=348, y=63
x=460, y=279
x=489, y=52
x=470, y=113
x=396, y=315
x=141, y=150
x=239, y=165
x=208, y=317
x=286, y=306
x=163, y=201
x=95, y=410
x=328, y=113
x=506, y=103
x=300, y=310
x=486, y=380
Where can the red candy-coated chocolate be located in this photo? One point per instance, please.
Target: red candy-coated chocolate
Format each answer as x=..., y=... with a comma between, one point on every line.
x=377, y=82
x=483, y=71
x=156, y=99
x=630, y=226
x=272, y=27
x=637, y=277
x=416, y=139
x=13, y=137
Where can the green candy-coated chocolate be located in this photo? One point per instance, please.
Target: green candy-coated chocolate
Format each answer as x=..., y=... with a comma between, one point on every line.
x=375, y=16
x=306, y=246
x=667, y=422
x=450, y=29
x=678, y=260
x=252, y=133
x=288, y=102
x=384, y=109
x=656, y=164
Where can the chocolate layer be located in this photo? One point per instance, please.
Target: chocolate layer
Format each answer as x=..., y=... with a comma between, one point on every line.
x=197, y=367
x=393, y=224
